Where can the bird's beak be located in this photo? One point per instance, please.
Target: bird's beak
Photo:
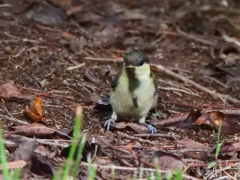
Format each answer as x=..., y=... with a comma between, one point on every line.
x=131, y=67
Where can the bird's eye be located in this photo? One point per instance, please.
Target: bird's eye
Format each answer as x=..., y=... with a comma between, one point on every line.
x=141, y=62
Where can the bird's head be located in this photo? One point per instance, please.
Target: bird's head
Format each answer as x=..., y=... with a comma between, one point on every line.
x=136, y=61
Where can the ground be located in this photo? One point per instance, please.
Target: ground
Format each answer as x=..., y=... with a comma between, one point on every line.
x=67, y=52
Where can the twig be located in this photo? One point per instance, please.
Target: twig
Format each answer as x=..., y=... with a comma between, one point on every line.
x=5, y=5
x=198, y=86
x=195, y=38
x=20, y=52
x=225, y=111
x=153, y=135
x=99, y=141
x=13, y=119
x=185, y=176
x=176, y=89
x=60, y=143
x=75, y=67
x=103, y=59
x=135, y=138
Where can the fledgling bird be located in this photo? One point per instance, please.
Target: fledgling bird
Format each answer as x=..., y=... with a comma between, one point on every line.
x=133, y=89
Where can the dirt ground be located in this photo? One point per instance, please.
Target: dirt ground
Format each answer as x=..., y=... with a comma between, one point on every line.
x=67, y=52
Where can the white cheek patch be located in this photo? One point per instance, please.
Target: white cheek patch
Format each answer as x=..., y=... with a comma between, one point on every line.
x=143, y=71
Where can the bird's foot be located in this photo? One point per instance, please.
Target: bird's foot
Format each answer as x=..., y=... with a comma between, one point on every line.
x=151, y=128
x=108, y=122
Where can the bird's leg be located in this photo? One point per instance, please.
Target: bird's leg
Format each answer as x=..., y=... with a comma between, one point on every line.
x=113, y=119
x=151, y=129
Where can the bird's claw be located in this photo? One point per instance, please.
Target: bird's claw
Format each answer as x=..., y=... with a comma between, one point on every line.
x=151, y=129
x=108, y=122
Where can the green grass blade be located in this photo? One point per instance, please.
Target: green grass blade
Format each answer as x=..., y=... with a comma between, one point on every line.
x=218, y=139
x=76, y=131
x=169, y=175
x=3, y=158
x=178, y=175
x=91, y=169
x=112, y=173
x=16, y=174
x=211, y=165
x=158, y=172
x=148, y=176
x=58, y=174
x=81, y=146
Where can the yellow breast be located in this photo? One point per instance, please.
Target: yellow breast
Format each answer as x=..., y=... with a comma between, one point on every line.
x=121, y=98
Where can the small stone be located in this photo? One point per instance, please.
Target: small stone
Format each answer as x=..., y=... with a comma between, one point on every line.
x=8, y=48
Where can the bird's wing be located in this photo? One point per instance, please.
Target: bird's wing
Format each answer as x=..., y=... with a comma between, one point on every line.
x=115, y=81
x=154, y=81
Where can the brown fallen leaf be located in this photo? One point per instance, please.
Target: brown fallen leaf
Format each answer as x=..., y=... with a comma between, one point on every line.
x=35, y=111
x=134, y=126
x=200, y=155
x=34, y=129
x=168, y=160
x=63, y=3
x=191, y=144
x=172, y=120
x=68, y=36
x=75, y=9
x=227, y=150
x=10, y=92
x=200, y=151
x=163, y=159
x=25, y=150
x=18, y=164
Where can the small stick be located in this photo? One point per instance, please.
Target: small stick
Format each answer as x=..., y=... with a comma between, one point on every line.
x=223, y=97
x=103, y=59
x=153, y=135
x=76, y=67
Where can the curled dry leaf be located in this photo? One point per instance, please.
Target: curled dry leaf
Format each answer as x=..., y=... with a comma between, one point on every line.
x=41, y=165
x=229, y=123
x=10, y=92
x=91, y=77
x=36, y=106
x=35, y=111
x=88, y=148
x=188, y=122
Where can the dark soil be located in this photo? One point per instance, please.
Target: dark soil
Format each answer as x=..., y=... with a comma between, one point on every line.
x=199, y=40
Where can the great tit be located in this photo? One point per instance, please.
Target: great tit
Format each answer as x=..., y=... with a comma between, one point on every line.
x=133, y=89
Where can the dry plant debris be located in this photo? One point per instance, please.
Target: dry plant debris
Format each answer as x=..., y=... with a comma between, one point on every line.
x=57, y=54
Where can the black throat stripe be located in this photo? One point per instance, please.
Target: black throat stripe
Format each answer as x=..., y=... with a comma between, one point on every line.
x=133, y=81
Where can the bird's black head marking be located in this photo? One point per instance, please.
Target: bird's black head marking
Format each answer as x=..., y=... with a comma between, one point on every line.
x=135, y=58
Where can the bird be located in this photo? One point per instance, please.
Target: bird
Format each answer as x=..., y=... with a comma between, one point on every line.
x=133, y=89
